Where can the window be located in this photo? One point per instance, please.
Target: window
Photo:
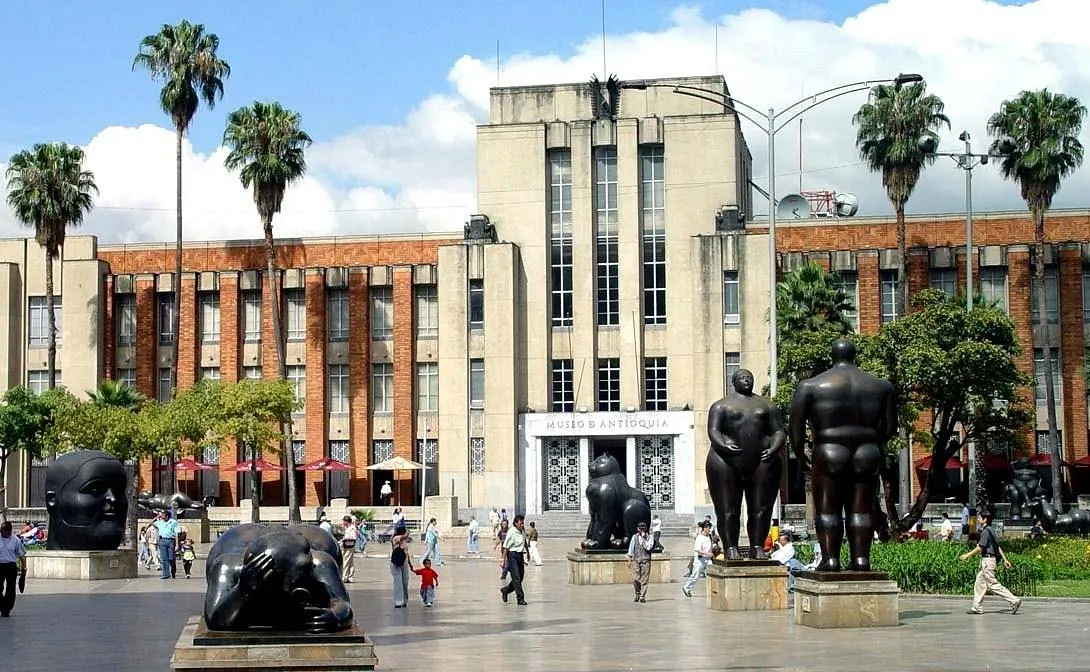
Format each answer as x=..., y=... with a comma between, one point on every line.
x=609, y=384
x=606, y=240
x=476, y=304
x=211, y=373
x=731, y=298
x=476, y=383
x=163, y=389
x=944, y=280
x=1052, y=295
x=381, y=450
x=125, y=308
x=1039, y=374
x=38, y=381
x=732, y=361
x=338, y=389
x=251, y=373
x=427, y=453
x=382, y=313
x=889, y=289
x=337, y=314
x=427, y=311
x=563, y=393
x=427, y=386
x=167, y=317
x=560, y=240
x=38, y=326
x=127, y=377
x=476, y=455
x=654, y=383
x=297, y=376
x=653, y=198
x=849, y=284
x=295, y=314
x=299, y=451
x=210, y=317
x=993, y=286
x=1086, y=295
x=382, y=388
x=339, y=482
x=1043, y=445
x=251, y=316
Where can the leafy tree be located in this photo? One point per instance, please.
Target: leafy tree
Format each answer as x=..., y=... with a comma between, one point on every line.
x=184, y=58
x=24, y=418
x=949, y=364
x=115, y=393
x=1038, y=135
x=49, y=190
x=267, y=146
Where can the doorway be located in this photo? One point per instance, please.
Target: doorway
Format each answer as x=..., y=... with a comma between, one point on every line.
x=617, y=446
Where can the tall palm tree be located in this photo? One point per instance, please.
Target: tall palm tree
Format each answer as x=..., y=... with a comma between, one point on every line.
x=49, y=190
x=1038, y=135
x=267, y=146
x=811, y=298
x=897, y=135
x=183, y=57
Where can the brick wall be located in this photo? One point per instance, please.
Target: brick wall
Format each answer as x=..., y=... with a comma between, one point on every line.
x=405, y=365
x=1072, y=353
x=189, y=330
x=869, y=309
x=918, y=271
x=359, y=383
x=317, y=378
x=1019, y=307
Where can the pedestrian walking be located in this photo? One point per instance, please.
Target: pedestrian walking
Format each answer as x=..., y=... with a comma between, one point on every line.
x=399, y=569
x=531, y=540
x=429, y=581
x=12, y=563
x=348, y=549
x=501, y=536
x=494, y=523
x=431, y=544
x=989, y=550
x=168, y=545
x=656, y=530
x=473, y=540
x=385, y=493
x=702, y=555
x=639, y=555
x=152, y=534
x=514, y=560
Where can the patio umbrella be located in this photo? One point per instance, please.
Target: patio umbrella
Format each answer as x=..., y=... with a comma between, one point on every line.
x=924, y=463
x=325, y=464
x=994, y=462
x=189, y=464
x=398, y=463
x=1042, y=460
x=260, y=464
x=1083, y=461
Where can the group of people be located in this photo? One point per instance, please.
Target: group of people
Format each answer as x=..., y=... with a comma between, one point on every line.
x=161, y=544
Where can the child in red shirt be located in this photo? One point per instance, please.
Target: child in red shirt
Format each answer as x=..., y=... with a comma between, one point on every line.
x=429, y=581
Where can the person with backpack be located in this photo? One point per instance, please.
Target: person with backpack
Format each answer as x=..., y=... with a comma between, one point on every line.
x=399, y=565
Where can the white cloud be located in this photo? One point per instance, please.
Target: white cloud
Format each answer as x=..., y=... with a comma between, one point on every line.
x=420, y=174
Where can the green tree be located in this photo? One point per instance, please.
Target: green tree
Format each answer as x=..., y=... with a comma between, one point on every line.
x=1038, y=135
x=950, y=364
x=267, y=145
x=24, y=418
x=115, y=393
x=49, y=190
x=184, y=58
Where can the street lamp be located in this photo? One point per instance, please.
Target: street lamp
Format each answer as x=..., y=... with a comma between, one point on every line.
x=772, y=123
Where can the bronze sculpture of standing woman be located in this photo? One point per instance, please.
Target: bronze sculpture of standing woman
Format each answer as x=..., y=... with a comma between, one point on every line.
x=746, y=433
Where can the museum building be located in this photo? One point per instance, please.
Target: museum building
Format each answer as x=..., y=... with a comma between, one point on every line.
x=611, y=284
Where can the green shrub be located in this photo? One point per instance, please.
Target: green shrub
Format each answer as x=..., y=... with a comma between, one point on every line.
x=1060, y=557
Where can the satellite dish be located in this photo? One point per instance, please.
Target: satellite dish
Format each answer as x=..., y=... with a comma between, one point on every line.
x=793, y=206
x=846, y=205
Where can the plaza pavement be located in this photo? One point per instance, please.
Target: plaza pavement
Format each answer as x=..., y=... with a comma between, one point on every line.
x=123, y=626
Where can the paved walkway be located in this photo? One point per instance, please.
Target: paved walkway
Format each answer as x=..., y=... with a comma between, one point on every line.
x=132, y=625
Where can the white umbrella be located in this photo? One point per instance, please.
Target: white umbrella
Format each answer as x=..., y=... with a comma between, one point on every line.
x=398, y=463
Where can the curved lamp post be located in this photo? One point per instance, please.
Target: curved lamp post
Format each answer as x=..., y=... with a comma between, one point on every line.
x=771, y=123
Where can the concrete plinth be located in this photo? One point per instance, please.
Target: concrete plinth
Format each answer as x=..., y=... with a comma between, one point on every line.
x=846, y=600
x=82, y=565
x=747, y=585
x=598, y=568
x=254, y=651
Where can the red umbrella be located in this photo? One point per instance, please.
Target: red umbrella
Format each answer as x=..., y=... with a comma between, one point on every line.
x=260, y=464
x=189, y=464
x=325, y=464
x=1042, y=460
x=924, y=463
x=996, y=463
x=1083, y=461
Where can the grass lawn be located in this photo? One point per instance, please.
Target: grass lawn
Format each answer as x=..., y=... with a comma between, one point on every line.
x=1064, y=588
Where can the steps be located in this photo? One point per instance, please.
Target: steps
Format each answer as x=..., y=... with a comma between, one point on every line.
x=560, y=524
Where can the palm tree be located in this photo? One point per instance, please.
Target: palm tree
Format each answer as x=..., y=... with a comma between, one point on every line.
x=117, y=394
x=811, y=298
x=184, y=59
x=49, y=190
x=897, y=136
x=267, y=146
x=1037, y=134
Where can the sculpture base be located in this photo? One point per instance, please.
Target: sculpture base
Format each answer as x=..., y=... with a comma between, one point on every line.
x=260, y=650
x=599, y=568
x=746, y=585
x=846, y=600
x=82, y=565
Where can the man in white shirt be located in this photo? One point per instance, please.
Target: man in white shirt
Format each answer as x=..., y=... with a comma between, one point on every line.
x=12, y=561
x=946, y=528
x=473, y=543
x=385, y=492
x=639, y=555
x=348, y=549
x=656, y=530
x=702, y=557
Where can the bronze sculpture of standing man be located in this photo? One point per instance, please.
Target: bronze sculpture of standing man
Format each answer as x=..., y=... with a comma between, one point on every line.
x=852, y=414
x=746, y=433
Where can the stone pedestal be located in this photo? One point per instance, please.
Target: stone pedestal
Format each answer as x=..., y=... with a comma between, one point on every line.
x=597, y=568
x=206, y=651
x=747, y=585
x=846, y=600
x=444, y=510
x=82, y=565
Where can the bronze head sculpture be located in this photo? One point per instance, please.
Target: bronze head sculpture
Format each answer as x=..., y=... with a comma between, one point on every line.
x=85, y=498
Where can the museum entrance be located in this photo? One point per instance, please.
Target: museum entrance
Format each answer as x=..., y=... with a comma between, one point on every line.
x=617, y=446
